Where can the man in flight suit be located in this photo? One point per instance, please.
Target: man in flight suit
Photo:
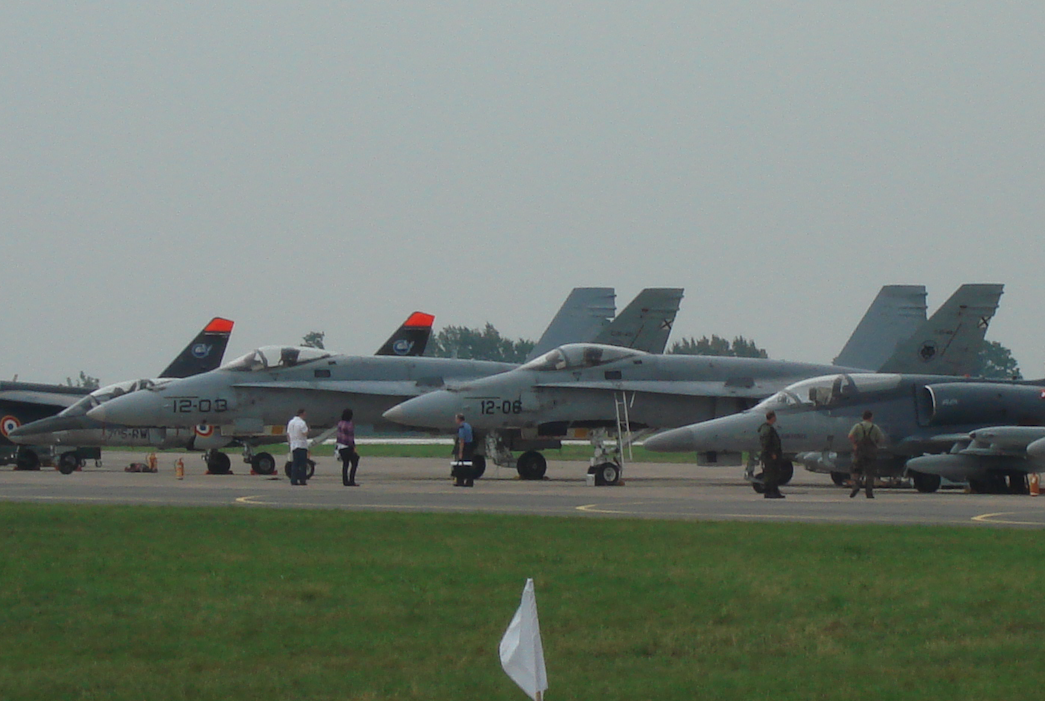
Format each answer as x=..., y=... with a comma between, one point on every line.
x=772, y=456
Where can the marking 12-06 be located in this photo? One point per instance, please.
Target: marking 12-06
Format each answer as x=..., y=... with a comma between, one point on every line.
x=189, y=405
x=489, y=407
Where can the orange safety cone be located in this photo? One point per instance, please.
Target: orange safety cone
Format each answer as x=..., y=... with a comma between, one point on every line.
x=1035, y=486
x=179, y=469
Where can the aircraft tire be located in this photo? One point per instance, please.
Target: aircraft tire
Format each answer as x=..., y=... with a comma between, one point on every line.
x=926, y=484
x=309, y=473
x=531, y=465
x=263, y=464
x=840, y=478
x=607, y=474
x=68, y=462
x=218, y=463
x=478, y=466
x=758, y=485
x=27, y=460
x=787, y=471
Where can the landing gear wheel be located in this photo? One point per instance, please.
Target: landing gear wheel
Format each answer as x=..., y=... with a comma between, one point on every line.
x=286, y=468
x=478, y=466
x=68, y=462
x=757, y=484
x=27, y=460
x=263, y=464
x=787, y=471
x=218, y=463
x=841, y=478
x=309, y=471
x=531, y=465
x=607, y=474
x=926, y=484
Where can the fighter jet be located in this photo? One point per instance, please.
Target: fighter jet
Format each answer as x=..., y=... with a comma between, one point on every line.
x=73, y=427
x=961, y=429
x=31, y=407
x=255, y=393
x=590, y=386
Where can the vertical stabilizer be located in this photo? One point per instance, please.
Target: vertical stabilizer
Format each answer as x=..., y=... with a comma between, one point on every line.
x=582, y=317
x=893, y=317
x=204, y=353
x=411, y=338
x=950, y=342
x=646, y=323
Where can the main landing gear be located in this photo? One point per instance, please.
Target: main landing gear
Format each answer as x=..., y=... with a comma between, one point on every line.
x=260, y=463
x=218, y=463
x=787, y=471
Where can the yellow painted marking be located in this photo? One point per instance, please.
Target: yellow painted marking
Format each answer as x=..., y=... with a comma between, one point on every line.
x=992, y=518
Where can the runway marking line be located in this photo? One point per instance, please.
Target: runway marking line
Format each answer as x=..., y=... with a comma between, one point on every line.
x=991, y=518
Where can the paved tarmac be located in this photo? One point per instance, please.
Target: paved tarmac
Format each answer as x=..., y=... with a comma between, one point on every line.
x=666, y=491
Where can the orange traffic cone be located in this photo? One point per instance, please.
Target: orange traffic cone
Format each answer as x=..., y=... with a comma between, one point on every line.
x=1035, y=487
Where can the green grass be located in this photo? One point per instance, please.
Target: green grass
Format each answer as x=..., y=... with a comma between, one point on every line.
x=239, y=603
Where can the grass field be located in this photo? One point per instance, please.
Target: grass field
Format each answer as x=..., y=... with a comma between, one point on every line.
x=237, y=603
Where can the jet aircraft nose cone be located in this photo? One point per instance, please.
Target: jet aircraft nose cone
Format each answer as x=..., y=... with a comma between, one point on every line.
x=737, y=432
x=51, y=424
x=142, y=408
x=432, y=410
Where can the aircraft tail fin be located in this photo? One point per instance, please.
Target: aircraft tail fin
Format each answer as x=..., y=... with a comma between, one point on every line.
x=204, y=353
x=582, y=317
x=893, y=317
x=950, y=342
x=411, y=338
x=645, y=324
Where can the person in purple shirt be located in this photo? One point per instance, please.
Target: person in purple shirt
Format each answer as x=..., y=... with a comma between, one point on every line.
x=346, y=448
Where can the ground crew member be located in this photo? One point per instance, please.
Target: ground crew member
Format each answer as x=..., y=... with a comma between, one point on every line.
x=464, y=449
x=297, y=436
x=772, y=456
x=866, y=438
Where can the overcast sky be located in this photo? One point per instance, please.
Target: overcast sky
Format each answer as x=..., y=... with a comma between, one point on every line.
x=333, y=166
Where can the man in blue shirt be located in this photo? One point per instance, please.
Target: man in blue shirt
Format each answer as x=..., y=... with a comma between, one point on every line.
x=465, y=449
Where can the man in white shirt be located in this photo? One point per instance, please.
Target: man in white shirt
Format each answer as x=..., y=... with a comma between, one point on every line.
x=297, y=434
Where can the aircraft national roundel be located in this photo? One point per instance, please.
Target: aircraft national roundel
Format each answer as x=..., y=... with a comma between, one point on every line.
x=8, y=424
x=204, y=431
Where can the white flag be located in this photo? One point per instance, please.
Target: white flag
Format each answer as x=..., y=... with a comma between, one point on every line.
x=522, y=655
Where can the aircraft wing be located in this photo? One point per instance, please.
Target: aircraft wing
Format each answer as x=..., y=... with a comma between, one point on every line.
x=396, y=388
x=40, y=394
x=741, y=388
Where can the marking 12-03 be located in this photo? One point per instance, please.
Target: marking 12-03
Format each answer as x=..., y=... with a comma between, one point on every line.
x=189, y=405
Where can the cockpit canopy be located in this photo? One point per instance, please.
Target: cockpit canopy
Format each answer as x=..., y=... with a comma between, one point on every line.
x=828, y=390
x=104, y=394
x=578, y=356
x=275, y=357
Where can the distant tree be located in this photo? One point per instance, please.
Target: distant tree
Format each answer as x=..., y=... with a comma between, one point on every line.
x=85, y=381
x=996, y=362
x=478, y=344
x=716, y=345
x=313, y=339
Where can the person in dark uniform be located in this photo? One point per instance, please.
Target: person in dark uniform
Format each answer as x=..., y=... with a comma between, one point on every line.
x=866, y=438
x=772, y=456
x=464, y=450
x=346, y=448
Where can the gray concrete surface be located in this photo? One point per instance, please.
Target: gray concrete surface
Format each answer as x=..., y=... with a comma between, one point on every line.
x=423, y=485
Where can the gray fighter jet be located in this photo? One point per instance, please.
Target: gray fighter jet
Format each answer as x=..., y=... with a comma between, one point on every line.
x=255, y=394
x=961, y=429
x=576, y=388
x=203, y=353
x=72, y=426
